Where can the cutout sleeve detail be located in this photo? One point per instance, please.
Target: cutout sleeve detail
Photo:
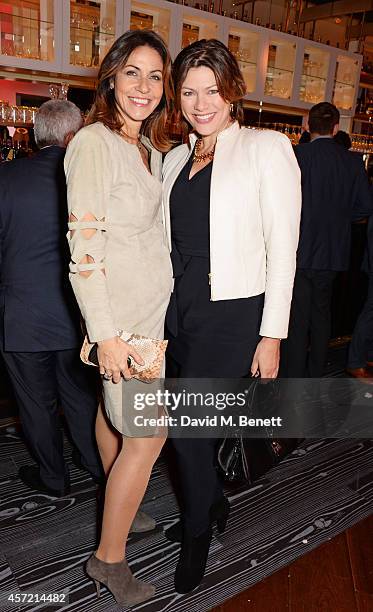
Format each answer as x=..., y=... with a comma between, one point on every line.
x=88, y=191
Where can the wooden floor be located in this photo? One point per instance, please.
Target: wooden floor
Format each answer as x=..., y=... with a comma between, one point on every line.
x=286, y=536
x=313, y=496
x=335, y=577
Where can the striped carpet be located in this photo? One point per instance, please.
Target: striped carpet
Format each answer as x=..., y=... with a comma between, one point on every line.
x=323, y=488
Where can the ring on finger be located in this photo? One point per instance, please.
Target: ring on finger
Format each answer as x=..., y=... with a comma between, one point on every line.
x=107, y=376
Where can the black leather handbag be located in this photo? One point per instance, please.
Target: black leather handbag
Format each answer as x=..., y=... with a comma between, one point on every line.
x=247, y=459
x=243, y=460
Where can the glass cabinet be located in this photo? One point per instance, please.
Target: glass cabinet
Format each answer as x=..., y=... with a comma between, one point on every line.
x=244, y=46
x=27, y=29
x=71, y=37
x=92, y=31
x=280, y=68
x=344, y=82
x=196, y=27
x=151, y=17
x=314, y=75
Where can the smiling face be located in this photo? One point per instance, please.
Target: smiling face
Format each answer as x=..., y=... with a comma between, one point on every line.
x=201, y=103
x=138, y=86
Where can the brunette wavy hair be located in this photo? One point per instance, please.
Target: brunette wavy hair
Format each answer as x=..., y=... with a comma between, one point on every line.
x=214, y=55
x=105, y=108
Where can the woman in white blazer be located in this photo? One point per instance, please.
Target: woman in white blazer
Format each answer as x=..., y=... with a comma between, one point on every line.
x=232, y=201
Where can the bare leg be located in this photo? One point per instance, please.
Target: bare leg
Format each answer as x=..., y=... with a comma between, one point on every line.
x=125, y=489
x=109, y=440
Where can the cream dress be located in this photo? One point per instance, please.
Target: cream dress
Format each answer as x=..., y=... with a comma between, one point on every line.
x=131, y=278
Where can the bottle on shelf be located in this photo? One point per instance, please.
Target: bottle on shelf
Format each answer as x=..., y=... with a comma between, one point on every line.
x=7, y=151
x=20, y=149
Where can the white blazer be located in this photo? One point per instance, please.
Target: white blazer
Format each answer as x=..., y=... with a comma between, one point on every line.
x=255, y=204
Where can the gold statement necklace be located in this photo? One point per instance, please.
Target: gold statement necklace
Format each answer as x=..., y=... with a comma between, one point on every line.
x=199, y=158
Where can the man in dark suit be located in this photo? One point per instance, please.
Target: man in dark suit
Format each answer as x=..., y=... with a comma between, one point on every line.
x=335, y=190
x=39, y=331
x=360, y=354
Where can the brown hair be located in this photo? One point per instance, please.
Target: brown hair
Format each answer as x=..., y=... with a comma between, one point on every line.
x=105, y=108
x=322, y=118
x=214, y=55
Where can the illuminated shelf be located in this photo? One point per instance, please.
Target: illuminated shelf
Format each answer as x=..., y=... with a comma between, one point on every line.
x=71, y=37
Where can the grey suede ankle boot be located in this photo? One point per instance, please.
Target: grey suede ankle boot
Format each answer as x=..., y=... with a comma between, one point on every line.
x=118, y=578
x=142, y=522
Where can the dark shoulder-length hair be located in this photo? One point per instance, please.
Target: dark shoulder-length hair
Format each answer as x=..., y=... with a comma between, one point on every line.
x=214, y=55
x=105, y=108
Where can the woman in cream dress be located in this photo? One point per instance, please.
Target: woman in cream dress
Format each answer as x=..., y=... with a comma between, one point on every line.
x=120, y=269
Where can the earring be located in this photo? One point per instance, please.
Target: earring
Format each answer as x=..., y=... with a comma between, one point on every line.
x=231, y=108
x=111, y=85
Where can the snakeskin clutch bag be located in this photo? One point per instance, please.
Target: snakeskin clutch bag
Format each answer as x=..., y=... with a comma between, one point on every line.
x=151, y=350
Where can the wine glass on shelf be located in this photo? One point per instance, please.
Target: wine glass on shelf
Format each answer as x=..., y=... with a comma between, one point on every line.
x=64, y=89
x=54, y=91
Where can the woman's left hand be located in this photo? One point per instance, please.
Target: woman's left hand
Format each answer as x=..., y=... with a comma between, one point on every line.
x=267, y=358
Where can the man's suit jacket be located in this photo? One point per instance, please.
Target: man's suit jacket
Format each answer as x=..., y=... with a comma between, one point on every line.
x=367, y=265
x=38, y=308
x=335, y=191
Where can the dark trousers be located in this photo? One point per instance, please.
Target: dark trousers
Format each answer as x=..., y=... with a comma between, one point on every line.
x=216, y=354
x=309, y=325
x=200, y=484
x=41, y=382
x=361, y=346
x=196, y=480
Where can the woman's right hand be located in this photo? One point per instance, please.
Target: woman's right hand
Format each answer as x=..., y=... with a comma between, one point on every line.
x=112, y=358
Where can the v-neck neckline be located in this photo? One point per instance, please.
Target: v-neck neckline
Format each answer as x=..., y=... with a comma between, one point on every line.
x=149, y=171
x=190, y=164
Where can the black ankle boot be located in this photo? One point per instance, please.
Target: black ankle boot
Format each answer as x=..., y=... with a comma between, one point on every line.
x=219, y=512
x=192, y=561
